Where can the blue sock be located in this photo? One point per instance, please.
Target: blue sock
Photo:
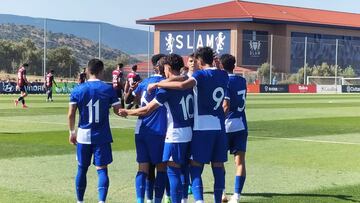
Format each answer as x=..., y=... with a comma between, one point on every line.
x=159, y=185
x=149, y=189
x=103, y=184
x=239, y=184
x=219, y=183
x=185, y=181
x=140, y=186
x=80, y=182
x=174, y=175
x=196, y=181
x=167, y=187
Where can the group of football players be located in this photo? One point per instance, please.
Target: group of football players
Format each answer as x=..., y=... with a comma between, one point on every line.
x=189, y=116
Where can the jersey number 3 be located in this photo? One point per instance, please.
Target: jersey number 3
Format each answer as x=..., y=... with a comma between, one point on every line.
x=90, y=108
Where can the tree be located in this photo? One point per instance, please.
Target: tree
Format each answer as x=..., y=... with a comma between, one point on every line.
x=62, y=62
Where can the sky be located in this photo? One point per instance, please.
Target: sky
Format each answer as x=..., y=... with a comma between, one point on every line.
x=125, y=13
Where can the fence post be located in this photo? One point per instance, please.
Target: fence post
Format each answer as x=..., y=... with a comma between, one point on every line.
x=305, y=61
x=271, y=56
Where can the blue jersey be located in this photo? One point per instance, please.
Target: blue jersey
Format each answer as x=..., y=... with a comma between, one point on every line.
x=209, y=95
x=236, y=94
x=154, y=123
x=179, y=105
x=93, y=99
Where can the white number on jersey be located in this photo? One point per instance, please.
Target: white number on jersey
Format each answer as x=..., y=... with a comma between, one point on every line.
x=96, y=105
x=185, y=105
x=219, y=99
x=242, y=93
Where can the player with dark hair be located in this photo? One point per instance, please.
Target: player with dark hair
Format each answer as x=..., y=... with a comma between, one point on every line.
x=22, y=82
x=179, y=105
x=118, y=82
x=150, y=134
x=209, y=142
x=82, y=76
x=93, y=137
x=235, y=122
x=49, y=81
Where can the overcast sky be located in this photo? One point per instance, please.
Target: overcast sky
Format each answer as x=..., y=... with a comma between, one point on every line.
x=125, y=13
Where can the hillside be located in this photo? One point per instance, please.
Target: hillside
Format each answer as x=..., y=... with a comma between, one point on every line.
x=83, y=49
x=131, y=41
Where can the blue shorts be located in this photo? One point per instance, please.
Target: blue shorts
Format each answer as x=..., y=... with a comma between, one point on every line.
x=209, y=146
x=102, y=154
x=149, y=148
x=237, y=141
x=177, y=152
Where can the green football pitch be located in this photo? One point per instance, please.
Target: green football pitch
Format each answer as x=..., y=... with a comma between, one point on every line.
x=302, y=148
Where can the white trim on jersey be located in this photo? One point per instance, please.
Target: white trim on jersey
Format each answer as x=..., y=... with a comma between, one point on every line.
x=231, y=74
x=160, y=104
x=211, y=68
x=234, y=125
x=227, y=98
x=93, y=80
x=195, y=80
x=72, y=103
x=137, y=126
x=204, y=122
x=83, y=136
x=116, y=103
x=176, y=135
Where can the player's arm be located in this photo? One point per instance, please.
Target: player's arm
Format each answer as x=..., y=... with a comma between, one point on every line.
x=132, y=95
x=54, y=82
x=149, y=108
x=226, y=106
x=116, y=108
x=187, y=84
x=71, y=121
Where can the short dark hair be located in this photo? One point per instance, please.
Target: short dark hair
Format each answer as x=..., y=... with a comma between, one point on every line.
x=206, y=54
x=51, y=71
x=134, y=67
x=160, y=64
x=95, y=66
x=192, y=55
x=120, y=65
x=25, y=65
x=175, y=61
x=228, y=62
x=156, y=58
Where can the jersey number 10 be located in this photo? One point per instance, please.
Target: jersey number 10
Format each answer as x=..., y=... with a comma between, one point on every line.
x=90, y=108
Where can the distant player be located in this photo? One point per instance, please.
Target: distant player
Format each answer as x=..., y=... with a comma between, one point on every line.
x=118, y=82
x=133, y=78
x=235, y=123
x=209, y=142
x=49, y=81
x=179, y=105
x=93, y=137
x=22, y=82
x=150, y=134
x=82, y=77
x=191, y=65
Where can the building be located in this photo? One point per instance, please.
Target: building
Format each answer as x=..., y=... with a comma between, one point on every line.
x=254, y=32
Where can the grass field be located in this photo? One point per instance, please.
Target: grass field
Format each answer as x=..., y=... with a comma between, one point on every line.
x=302, y=148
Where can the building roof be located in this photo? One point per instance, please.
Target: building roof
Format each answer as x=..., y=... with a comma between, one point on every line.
x=243, y=11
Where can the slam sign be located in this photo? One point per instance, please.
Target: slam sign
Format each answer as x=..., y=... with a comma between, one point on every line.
x=182, y=42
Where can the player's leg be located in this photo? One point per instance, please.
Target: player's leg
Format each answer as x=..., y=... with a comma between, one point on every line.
x=84, y=154
x=155, y=146
x=150, y=184
x=185, y=180
x=239, y=150
x=176, y=155
x=217, y=163
x=50, y=94
x=23, y=95
x=102, y=158
x=201, y=148
x=142, y=157
x=167, y=198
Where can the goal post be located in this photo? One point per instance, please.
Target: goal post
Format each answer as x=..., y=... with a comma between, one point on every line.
x=324, y=80
x=350, y=81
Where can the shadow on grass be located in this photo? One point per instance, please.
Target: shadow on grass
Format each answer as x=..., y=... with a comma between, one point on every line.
x=272, y=195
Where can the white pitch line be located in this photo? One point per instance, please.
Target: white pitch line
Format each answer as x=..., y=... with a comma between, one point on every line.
x=305, y=140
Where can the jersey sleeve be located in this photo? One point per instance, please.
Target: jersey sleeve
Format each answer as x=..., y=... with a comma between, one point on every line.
x=198, y=76
x=74, y=98
x=114, y=100
x=161, y=96
x=138, y=89
x=227, y=92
